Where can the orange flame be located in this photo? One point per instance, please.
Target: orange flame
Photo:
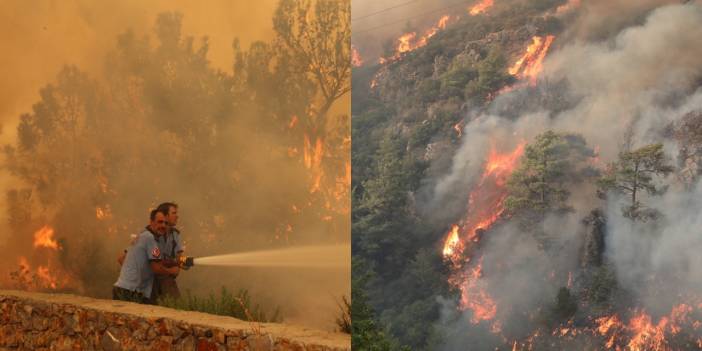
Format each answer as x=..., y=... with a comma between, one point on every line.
x=475, y=298
x=458, y=127
x=570, y=5
x=103, y=213
x=481, y=7
x=312, y=159
x=452, y=242
x=410, y=41
x=293, y=122
x=44, y=237
x=485, y=202
x=647, y=336
x=530, y=64
x=46, y=277
x=356, y=59
x=485, y=206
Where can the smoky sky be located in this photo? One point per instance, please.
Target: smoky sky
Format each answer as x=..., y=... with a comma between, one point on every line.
x=40, y=37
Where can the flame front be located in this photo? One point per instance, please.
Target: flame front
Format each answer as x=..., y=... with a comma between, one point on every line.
x=530, y=63
x=641, y=332
x=480, y=7
x=411, y=41
x=485, y=206
x=44, y=237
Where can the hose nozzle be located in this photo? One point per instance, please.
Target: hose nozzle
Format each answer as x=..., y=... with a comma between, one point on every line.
x=186, y=262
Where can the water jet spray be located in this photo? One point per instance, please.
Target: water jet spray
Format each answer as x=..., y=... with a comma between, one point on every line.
x=322, y=256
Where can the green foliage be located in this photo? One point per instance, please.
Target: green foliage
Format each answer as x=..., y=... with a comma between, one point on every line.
x=366, y=333
x=422, y=134
x=402, y=322
x=635, y=173
x=454, y=81
x=429, y=90
x=366, y=142
x=566, y=305
x=237, y=305
x=383, y=206
x=550, y=163
x=603, y=285
x=492, y=75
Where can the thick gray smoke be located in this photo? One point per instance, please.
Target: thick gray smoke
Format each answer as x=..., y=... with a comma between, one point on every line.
x=626, y=82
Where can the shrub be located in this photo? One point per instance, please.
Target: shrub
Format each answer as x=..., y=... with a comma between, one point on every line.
x=226, y=304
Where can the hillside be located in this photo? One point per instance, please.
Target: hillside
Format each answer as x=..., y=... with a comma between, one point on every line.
x=521, y=180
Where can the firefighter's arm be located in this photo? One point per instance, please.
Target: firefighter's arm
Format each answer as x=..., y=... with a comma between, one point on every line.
x=121, y=257
x=159, y=268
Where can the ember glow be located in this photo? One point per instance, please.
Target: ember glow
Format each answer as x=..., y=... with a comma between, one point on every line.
x=43, y=278
x=44, y=274
x=458, y=127
x=474, y=296
x=44, y=237
x=410, y=41
x=481, y=7
x=312, y=159
x=356, y=59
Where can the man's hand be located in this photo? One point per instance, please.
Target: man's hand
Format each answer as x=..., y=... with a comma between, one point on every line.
x=159, y=268
x=174, y=271
x=170, y=263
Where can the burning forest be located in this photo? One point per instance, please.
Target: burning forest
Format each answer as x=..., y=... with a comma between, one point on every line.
x=528, y=179
x=251, y=142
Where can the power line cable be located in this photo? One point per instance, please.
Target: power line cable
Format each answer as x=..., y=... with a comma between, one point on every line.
x=412, y=17
x=383, y=10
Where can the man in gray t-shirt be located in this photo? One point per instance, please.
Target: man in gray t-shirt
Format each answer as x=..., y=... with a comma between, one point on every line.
x=143, y=260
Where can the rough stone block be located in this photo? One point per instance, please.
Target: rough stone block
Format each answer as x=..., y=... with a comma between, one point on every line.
x=259, y=343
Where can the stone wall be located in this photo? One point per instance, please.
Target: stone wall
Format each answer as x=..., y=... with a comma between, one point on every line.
x=35, y=321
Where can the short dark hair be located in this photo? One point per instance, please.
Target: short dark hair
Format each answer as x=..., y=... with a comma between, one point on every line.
x=153, y=213
x=166, y=206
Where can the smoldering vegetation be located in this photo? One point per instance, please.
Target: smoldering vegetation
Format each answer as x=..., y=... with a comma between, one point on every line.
x=257, y=157
x=572, y=258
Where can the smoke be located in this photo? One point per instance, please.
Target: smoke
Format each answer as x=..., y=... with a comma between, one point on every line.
x=620, y=85
x=659, y=262
x=40, y=38
x=150, y=112
x=625, y=82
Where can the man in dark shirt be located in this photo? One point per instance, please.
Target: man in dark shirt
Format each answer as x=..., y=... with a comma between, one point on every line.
x=171, y=248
